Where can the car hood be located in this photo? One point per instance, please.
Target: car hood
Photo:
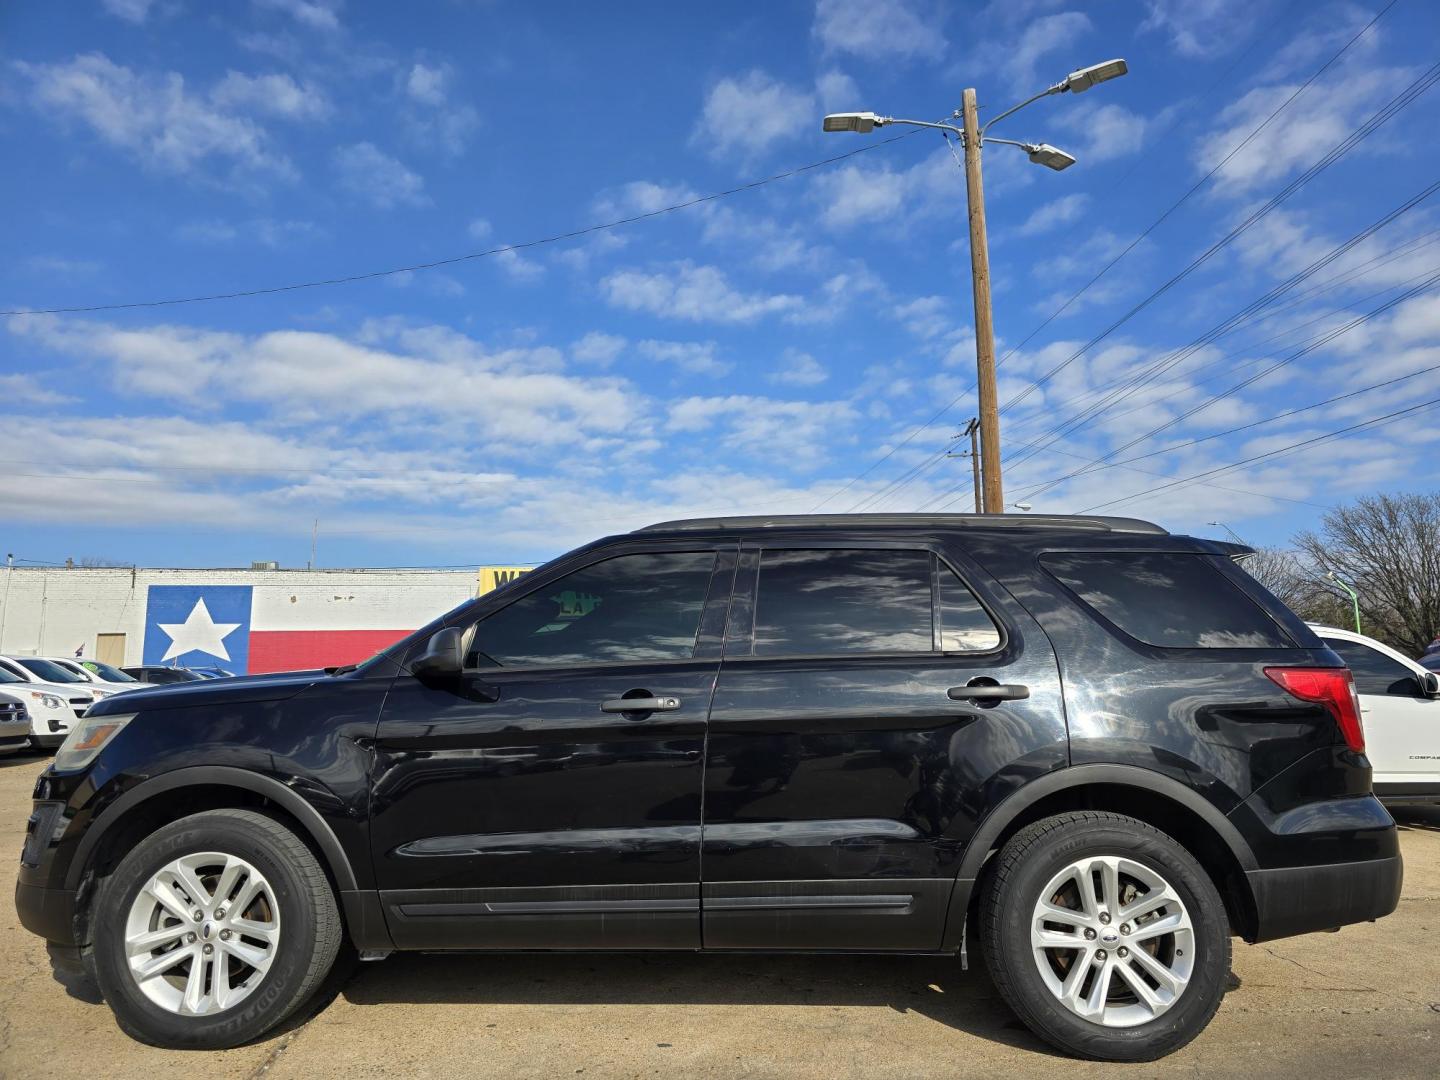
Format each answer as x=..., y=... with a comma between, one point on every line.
x=65, y=690
x=203, y=693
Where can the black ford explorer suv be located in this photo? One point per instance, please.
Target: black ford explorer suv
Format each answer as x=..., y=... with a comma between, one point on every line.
x=1089, y=748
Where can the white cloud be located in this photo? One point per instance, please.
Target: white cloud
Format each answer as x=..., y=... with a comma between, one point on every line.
x=26, y=390
x=879, y=29
x=134, y=11
x=691, y=292
x=1202, y=29
x=155, y=118
x=598, y=348
x=1107, y=132
x=1056, y=212
x=837, y=92
x=802, y=433
x=316, y=14
x=480, y=229
x=1323, y=115
x=798, y=368
x=862, y=196
x=433, y=121
x=427, y=85
x=278, y=95
x=1040, y=38
x=60, y=266
x=744, y=114
x=374, y=176
x=518, y=267
x=269, y=232
x=515, y=399
x=696, y=357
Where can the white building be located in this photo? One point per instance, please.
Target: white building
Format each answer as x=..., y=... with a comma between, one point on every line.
x=246, y=621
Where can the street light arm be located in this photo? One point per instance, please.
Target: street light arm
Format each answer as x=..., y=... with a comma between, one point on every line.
x=1056, y=89
x=921, y=123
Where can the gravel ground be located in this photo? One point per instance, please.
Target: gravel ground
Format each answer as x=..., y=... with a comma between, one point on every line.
x=1363, y=1002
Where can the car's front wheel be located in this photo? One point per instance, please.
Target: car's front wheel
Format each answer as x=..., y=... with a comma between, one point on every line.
x=1105, y=936
x=214, y=929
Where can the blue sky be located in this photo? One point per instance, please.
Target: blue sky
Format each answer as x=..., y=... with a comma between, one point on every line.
x=752, y=354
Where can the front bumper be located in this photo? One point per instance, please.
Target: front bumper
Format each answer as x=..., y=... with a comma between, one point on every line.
x=1303, y=899
x=49, y=913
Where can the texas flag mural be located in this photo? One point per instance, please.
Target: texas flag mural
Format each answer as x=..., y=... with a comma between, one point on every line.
x=251, y=629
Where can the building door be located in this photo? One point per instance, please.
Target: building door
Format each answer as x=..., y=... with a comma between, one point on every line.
x=110, y=649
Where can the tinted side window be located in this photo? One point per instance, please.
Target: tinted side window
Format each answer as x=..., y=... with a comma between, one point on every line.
x=965, y=626
x=821, y=602
x=1375, y=673
x=1176, y=601
x=631, y=607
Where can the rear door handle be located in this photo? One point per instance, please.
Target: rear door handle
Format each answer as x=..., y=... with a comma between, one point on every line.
x=640, y=704
x=1010, y=692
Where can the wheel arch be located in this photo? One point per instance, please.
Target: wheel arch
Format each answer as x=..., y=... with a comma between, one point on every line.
x=209, y=787
x=1177, y=810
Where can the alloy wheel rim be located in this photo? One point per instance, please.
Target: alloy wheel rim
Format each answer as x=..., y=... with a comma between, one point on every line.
x=1112, y=941
x=202, y=933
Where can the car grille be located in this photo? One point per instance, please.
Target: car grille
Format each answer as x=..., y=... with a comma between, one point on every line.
x=12, y=710
x=80, y=704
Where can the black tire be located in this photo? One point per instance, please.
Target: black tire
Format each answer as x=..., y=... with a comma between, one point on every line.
x=1024, y=867
x=309, y=918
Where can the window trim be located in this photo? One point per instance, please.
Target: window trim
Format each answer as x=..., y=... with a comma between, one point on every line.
x=747, y=592
x=1329, y=641
x=718, y=572
x=1176, y=652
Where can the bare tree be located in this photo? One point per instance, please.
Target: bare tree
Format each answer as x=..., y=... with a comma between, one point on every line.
x=1388, y=548
x=1298, y=585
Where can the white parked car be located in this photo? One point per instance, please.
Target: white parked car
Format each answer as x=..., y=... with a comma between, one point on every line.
x=1400, y=712
x=53, y=706
x=14, y=724
x=106, y=677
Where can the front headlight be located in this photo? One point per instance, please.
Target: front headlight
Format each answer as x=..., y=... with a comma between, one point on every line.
x=86, y=739
x=99, y=693
x=50, y=701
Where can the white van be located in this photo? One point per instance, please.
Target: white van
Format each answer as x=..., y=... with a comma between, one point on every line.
x=1400, y=711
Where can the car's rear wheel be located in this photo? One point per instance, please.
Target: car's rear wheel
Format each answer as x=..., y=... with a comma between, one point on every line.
x=1105, y=936
x=213, y=930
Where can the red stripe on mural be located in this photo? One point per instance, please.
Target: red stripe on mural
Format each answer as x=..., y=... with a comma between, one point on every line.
x=297, y=650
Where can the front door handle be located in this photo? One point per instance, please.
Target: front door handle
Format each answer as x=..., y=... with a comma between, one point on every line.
x=1010, y=692
x=640, y=704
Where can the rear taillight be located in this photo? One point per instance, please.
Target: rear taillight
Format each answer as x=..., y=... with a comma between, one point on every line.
x=1332, y=687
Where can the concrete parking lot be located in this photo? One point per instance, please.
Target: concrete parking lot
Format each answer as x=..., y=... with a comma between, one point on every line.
x=1364, y=1002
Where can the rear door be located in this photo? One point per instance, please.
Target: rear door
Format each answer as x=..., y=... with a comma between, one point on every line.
x=842, y=776
x=1402, y=725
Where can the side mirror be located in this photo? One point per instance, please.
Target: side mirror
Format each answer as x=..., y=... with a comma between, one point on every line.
x=442, y=658
x=1430, y=684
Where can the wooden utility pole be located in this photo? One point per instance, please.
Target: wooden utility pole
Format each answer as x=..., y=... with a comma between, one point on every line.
x=993, y=499
x=973, y=430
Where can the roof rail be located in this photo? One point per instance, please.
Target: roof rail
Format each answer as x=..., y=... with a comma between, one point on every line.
x=948, y=521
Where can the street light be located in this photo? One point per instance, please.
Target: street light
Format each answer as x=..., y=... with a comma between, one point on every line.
x=972, y=136
x=1354, y=596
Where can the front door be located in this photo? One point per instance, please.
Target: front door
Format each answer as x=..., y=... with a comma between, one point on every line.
x=551, y=799
x=1402, y=725
x=844, y=774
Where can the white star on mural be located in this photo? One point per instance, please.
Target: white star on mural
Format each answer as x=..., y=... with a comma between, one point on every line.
x=198, y=633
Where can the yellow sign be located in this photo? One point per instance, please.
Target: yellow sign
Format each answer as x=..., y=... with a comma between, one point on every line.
x=492, y=577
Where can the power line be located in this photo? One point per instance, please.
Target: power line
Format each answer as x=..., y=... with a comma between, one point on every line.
x=1386, y=112
x=1166, y=363
x=1339, y=433
x=1112, y=263
x=573, y=234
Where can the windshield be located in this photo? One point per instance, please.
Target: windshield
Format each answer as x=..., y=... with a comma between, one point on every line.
x=8, y=676
x=107, y=672
x=49, y=670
